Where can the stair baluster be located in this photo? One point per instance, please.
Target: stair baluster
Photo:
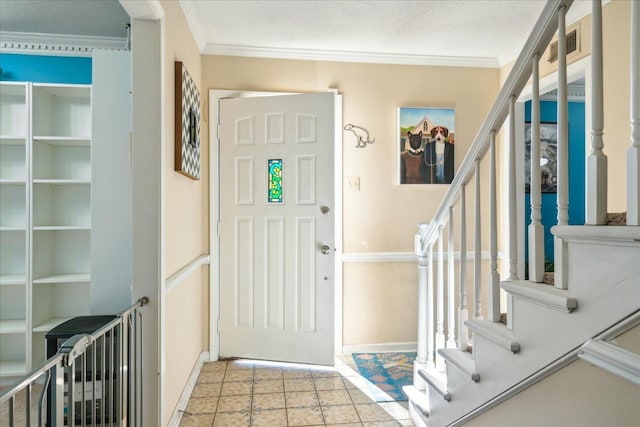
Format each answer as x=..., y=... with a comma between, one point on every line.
x=633, y=153
x=463, y=308
x=451, y=293
x=560, y=248
x=477, y=310
x=440, y=295
x=536, y=229
x=494, y=277
x=430, y=313
x=596, y=186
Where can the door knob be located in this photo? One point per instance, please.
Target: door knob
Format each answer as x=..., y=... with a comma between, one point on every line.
x=324, y=210
x=325, y=249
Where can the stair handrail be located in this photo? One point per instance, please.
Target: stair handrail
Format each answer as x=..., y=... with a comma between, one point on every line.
x=537, y=42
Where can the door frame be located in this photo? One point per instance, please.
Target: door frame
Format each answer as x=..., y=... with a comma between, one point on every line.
x=215, y=95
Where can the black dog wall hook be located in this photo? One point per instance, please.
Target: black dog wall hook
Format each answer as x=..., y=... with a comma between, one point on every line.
x=361, y=134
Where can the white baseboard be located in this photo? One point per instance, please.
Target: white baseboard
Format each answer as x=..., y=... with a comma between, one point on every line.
x=380, y=348
x=176, y=417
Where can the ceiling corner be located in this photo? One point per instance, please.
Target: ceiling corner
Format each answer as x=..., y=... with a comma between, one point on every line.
x=194, y=27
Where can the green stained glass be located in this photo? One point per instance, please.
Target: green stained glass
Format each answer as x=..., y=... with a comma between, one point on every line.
x=275, y=180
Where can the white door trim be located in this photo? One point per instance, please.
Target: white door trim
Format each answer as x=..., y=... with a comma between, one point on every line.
x=215, y=95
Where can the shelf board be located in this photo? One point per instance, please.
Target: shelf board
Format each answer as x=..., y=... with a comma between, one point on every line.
x=64, y=278
x=50, y=324
x=13, y=228
x=13, y=279
x=13, y=140
x=12, y=368
x=62, y=181
x=13, y=181
x=65, y=141
x=61, y=227
x=13, y=326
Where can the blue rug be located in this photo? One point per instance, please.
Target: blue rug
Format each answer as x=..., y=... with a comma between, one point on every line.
x=387, y=373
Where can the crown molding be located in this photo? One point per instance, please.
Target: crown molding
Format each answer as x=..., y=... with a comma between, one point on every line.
x=575, y=93
x=57, y=44
x=343, y=56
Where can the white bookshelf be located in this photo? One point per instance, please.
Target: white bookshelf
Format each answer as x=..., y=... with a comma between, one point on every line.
x=45, y=215
x=14, y=223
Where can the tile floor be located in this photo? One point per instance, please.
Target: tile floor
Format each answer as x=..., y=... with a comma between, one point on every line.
x=252, y=393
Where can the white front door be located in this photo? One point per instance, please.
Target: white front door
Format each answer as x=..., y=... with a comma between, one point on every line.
x=277, y=228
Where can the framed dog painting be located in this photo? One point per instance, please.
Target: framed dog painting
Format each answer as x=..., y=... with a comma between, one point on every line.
x=426, y=138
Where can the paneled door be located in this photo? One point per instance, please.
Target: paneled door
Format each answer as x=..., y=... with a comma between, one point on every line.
x=277, y=228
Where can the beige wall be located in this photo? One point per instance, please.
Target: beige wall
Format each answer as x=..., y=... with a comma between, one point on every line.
x=382, y=216
x=577, y=395
x=185, y=224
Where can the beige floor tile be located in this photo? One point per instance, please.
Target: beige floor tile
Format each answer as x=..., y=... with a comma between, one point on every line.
x=234, y=403
x=239, y=375
x=334, y=383
x=203, y=420
x=211, y=376
x=268, y=401
x=232, y=419
x=358, y=396
x=215, y=366
x=268, y=386
x=356, y=382
x=269, y=418
x=324, y=374
x=236, y=387
x=304, y=416
x=290, y=373
x=344, y=425
x=341, y=413
x=240, y=364
x=206, y=390
x=334, y=397
x=268, y=374
x=372, y=412
x=384, y=424
x=299, y=399
x=202, y=405
x=298, y=384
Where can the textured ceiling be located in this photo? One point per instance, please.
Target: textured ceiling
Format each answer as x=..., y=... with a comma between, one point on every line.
x=406, y=31
x=483, y=29
x=103, y=18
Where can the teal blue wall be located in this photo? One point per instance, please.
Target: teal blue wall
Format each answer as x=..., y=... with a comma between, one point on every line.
x=548, y=113
x=45, y=69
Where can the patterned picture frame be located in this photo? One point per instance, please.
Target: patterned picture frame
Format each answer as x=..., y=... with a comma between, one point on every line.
x=187, y=124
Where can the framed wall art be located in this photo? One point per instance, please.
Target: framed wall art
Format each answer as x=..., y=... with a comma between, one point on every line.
x=426, y=139
x=187, y=124
x=548, y=157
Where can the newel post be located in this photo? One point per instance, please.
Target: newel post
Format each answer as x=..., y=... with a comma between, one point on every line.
x=633, y=153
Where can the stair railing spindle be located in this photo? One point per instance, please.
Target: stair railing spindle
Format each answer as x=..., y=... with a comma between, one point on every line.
x=513, y=211
x=536, y=229
x=423, y=302
x=463, y=308
x=451, y=294
x=633, y=153
x=596, y=189
x=477, y=249
x=430, y=313
x=560, y=250
x=440, y=295
x=494, y=277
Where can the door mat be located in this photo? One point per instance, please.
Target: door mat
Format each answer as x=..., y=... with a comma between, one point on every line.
x=386, y=373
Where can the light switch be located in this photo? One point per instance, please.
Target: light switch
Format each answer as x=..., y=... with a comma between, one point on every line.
x=353, y=183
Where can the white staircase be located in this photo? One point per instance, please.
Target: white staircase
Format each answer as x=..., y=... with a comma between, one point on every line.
x=596, y=295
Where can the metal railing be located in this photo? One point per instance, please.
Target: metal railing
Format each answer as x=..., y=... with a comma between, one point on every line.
x=93, y=380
